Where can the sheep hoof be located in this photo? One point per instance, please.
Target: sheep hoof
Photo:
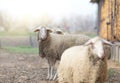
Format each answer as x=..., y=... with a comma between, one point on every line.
x=55, y=76
x=48, y=77
x=51, y=78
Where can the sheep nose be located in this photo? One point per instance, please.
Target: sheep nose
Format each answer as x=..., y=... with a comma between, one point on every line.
x=102, y=56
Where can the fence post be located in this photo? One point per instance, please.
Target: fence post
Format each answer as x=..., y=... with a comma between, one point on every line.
x=116, y=52
x=0, y=44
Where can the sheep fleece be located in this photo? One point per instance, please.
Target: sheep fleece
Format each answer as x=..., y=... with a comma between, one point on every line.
x=55, y=44
x=77, y=65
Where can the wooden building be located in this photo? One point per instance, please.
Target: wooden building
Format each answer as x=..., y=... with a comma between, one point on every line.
x=109, y=19
x=109, y=24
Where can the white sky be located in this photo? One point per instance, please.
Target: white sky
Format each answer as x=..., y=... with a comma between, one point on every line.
x=56, y=8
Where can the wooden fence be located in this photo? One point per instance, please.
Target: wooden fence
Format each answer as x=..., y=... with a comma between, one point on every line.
x=115, y=52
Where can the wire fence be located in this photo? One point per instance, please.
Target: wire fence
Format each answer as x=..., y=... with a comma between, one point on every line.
x=14, y=41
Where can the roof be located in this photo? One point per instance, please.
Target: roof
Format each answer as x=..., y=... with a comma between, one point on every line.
x=94, y=1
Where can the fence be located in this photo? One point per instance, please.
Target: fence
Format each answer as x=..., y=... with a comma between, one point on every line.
x=13, y=41
x=115, y=52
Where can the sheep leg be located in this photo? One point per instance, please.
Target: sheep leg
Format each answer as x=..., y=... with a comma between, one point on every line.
x=55, y=76
x=51, y=73
x=49, y=69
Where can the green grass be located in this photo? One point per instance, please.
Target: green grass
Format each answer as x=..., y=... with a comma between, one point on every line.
x=22, y=50
x=111, y=72
x=91, y=35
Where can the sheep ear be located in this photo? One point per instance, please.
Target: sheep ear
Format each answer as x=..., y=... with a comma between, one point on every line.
x=36, y=30
x=88, y=43
x=49, y=31
x=107, y=42
x=59, y=32
x=92, y=41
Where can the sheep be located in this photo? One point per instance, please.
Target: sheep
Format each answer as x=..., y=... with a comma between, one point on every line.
x=51, y=29
x=84, y=64
x=51, y=46
x=55, y=30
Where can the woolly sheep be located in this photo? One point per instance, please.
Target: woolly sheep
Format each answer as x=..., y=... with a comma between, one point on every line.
x=58, y=31
x=55, y=30
x=51, y=46
x=84, y=64
x=51, y=29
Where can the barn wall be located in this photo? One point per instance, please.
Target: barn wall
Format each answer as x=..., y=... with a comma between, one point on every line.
x=110, y=20
x=105, y=30
x=117, y=21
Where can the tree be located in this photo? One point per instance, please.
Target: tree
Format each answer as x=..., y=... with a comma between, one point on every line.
x=5, y=20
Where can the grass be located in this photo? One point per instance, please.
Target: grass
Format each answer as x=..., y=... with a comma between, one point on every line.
x=111, y=72
x=22, y=50
x=91, y=35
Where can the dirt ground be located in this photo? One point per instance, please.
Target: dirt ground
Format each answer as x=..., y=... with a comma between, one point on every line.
x=28, y=68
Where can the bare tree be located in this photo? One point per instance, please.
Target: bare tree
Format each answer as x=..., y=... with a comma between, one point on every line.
x=5, y=20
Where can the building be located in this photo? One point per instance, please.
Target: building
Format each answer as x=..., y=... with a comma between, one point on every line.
x=109, y=19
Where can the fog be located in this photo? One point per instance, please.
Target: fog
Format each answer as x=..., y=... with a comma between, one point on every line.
x=76, y=15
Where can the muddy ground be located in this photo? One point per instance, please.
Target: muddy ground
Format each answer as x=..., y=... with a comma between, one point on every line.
x=30, y=68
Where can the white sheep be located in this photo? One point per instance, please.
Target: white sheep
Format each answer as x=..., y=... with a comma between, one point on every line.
x=84, y=64
x=57, y=31
x=51, y=46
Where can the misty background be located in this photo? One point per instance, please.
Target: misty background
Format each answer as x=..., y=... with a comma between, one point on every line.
x=70, y=15
x=18, y=19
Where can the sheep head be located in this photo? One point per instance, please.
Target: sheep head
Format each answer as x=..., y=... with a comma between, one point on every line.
x=42, y=33
x=97, y=45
